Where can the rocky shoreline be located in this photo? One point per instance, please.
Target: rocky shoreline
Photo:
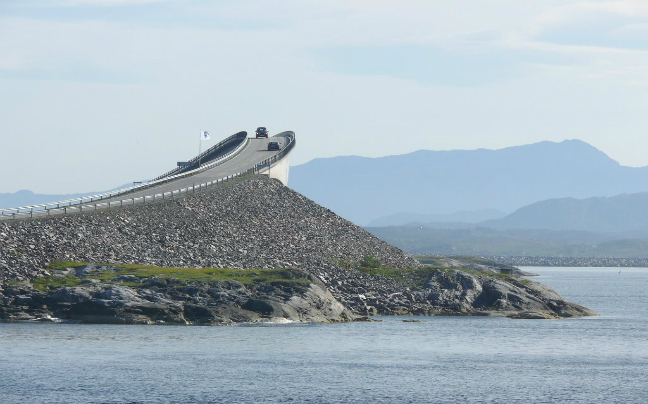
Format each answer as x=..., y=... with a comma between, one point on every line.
x=128, y=299
x=326, y=268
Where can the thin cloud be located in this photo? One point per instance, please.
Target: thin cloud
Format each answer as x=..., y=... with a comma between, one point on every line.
x=143, y=76
x=618, y=24
x=109, y=3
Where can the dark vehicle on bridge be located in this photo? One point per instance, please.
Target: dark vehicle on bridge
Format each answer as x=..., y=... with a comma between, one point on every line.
x=261, y=132
x=274, y=146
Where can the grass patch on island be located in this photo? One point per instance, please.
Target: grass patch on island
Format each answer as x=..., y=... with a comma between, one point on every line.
x=210, y=275
x=419, y=276
x=54, y=282
x=184, y=275
x=64, y=264
x=496, y=275
x=411, y=277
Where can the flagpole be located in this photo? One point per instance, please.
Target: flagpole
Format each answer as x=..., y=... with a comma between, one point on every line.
x=199, y=147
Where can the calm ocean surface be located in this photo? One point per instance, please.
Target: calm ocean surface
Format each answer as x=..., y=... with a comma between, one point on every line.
x=439, y=360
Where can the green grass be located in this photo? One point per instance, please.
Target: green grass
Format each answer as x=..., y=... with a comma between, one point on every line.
x=498, y=275
x=63, y=264
x=55, y=282
x=411, y=277
x=398, y=274
x=426, y=260
x=418, y=277
x=184, y=275
x=346, y=264
x=472, y=259
x=14, y=282
x=210, y=275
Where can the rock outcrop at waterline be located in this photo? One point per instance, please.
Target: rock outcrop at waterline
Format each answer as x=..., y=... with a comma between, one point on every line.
x=128, y=299
x=255, y=223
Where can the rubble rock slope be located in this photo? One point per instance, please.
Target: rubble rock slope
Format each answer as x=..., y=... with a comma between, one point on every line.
x=257, y=223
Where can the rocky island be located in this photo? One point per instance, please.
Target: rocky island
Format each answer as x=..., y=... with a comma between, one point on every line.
x=248, y=251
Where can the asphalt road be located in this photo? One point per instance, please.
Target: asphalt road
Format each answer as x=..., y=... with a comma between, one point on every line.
x=255, y=152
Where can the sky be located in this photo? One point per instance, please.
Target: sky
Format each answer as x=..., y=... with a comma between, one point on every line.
x=96, y=94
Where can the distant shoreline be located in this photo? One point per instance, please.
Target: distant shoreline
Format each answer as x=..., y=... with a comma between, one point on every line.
x=570, y=261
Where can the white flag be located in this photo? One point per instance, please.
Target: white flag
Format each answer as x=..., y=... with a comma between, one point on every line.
x=204, y=135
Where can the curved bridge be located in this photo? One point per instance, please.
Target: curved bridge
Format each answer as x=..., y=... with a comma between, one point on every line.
x=233, y=157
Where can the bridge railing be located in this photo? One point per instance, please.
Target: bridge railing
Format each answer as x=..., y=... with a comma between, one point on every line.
x=237, y=137
x=289, y=145
x=78, y=206
x=29, y=210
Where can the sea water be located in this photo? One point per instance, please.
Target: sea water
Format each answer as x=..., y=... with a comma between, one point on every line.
x=600, y=359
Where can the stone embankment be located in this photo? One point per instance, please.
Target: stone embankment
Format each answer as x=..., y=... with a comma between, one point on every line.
x=251, y=224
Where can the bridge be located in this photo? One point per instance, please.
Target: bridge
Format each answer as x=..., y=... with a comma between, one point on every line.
x=234, y=157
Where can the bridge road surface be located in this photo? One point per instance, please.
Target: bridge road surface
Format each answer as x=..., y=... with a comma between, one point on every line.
x=255, y=152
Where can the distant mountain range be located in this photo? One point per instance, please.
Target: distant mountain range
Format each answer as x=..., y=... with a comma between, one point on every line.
x=626, y=214
x=457, y=217
x=489, y=242
x=27, y=198
x=365, y=190
x=593, y=227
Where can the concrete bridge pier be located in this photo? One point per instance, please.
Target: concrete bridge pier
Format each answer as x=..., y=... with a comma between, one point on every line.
x=279, y=170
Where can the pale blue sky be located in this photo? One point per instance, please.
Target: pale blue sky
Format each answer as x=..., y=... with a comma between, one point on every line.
x=94, y=94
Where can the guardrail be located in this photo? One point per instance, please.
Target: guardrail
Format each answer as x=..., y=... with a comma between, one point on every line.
x=68, y=207
x=237, y=137
x=290, y=144
x=29, y=210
